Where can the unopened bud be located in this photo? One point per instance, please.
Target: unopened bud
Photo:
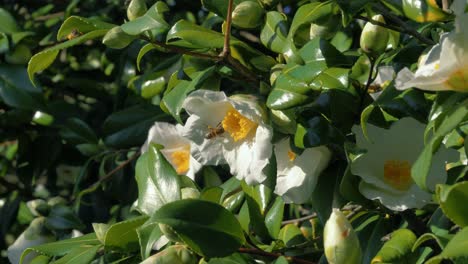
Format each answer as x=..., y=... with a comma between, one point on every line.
x=248, y=14
x=374, y=38
x=177, y=254
x=341, y=243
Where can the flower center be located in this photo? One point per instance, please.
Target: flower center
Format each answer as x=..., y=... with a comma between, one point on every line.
x=292, y=156
x=181, y=160
x=397, y=173
x=458, y=80
x=237, y=125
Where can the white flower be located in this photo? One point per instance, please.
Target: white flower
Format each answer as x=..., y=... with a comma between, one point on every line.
x=386, y=167
x=445, y=67
x=297, y=174
x=382, y=80
x=229, y=130
x=176, y=147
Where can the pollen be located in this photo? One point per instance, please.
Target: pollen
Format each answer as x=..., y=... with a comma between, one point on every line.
x=181, y=160
x=397, y=173
x=237, y=125
x=292, y=156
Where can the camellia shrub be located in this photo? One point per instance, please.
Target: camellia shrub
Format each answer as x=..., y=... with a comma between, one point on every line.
x=234, y=131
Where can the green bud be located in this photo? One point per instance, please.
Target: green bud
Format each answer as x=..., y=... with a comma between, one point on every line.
x=169, y=233
x=117, y=39
x=341, y=243
x=374, y=38
x=189, y=193
x=423, y=11
x=177, y=254
x=248, y=14
x=42, y=118
x=325, y=29
x=136, y=9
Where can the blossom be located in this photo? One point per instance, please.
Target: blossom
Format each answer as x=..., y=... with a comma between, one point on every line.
x=297, y=174
x=386, y=167
x=176, y=147
x=229, y=130
x=382, y=80
x=445, y=67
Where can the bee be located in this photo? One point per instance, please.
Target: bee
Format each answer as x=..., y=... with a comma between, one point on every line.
x=214, y=131
x=73, y=34
x=374, y=88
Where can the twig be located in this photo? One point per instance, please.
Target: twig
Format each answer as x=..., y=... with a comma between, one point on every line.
x=354, y=211
x=369, y=79
x=299, y=220
x=227, y=35
x=49, y=16
x=255, y=251
x=405, y=28
x=378, y=23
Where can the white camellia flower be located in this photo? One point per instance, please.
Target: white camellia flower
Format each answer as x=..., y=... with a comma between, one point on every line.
x=176, y=147
x=229, y=130
x=297, y=174
x=384, y=77
x=445, y=67
x=386, y=167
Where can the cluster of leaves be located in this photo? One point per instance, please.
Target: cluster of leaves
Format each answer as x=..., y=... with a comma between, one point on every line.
x=70, y=138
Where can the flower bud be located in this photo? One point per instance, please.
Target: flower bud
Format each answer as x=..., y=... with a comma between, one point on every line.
x=116, y=38
x=177, y=254
x=136, y=9
x=341, y=243
x=270, y=2
x=248, y=14
x=374, y=38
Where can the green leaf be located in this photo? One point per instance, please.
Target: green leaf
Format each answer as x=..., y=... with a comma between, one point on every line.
x=274, y=33
x=116, y=38
x=7, y=22
x=220, y=7
x=176, y=97
x=291, y=235
x=76, y=131
x=123, y=235
x=152, y=20
x=212, y=194
x=397, y=249
x=450, y=198
x=129, y=127
x=189, y=35
x=455, y=249
x=145, y=49
x=16, y=91
x=256, y=208
x=148, y=234
x=62, y=247
x=81, y=25
x=274, y=217
x=158, y=182
x=207, y=228
x=309, y=13
x=80, y=255
x=44, y=59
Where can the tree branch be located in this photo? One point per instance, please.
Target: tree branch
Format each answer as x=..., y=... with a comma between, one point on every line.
x=227, y=35
x=255, y=251
x=299, y=220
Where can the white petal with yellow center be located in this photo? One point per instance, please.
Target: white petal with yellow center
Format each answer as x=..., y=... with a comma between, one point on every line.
x=385, y=168
x=297, y=174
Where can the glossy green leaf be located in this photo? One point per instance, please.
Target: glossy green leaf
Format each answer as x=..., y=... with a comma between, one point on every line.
x=212, y=194
x=274, y=217
x=274, y=32
x=207, y=228
x=291, y=235
x=116, y=38
x=62, y=247
x=397, y=249
x=450, y=198
x=219, y=7
x=148, y=234
x=80, y=25
x=76, y=131
x=455, y=249
x=423, y=11
x=152, y=20
x=145, y=49
x=175, y=98
x=309, y=13
x=7, y=22
x=129, y=127
x=158, y=182
x=80, y=255
x=45, y=58
x=16, y=91
x=124, y=235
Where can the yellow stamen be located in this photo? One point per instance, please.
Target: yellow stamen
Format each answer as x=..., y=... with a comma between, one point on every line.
x=397, y=173
x=291, y=155
x=458, y=80
x=181, y=160
x=237, y=125
x=437, y=66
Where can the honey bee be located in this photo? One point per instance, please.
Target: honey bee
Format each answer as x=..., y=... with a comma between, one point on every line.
x=73, y=34
x=214, y=131
x=374, y=88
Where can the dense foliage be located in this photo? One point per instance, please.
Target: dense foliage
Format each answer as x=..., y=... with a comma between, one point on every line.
x=282, y=132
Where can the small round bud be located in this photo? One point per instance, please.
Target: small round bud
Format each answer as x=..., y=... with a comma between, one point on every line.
x=248, y=14
x=374, y=38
